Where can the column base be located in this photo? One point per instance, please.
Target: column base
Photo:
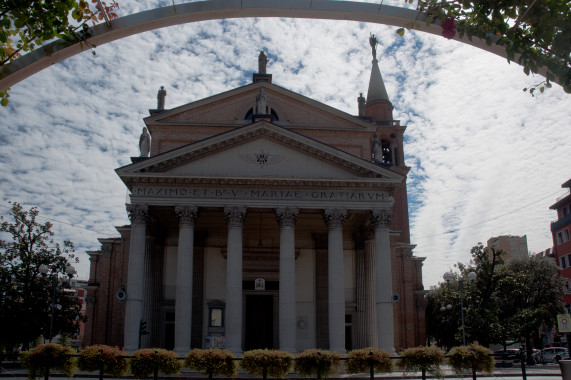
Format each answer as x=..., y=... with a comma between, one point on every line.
x=130, y=348
x=341, y=350
x=236, y=352
x=390, y=350
x=181, y=351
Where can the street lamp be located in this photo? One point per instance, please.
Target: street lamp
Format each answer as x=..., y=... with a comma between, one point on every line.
x=449, y=276
x=44, y=269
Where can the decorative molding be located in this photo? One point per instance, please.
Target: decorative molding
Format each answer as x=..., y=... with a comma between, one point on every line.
x=138, y=214
x=174, y=181
x=253, y=135
x=382, y=218
x=287, y=217
x=334, y=218
x=187, y=215
x=106, y=249
x=235, y=215
x=262, y=159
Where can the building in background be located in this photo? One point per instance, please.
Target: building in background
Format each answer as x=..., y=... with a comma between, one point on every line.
x=263, y=219
x=513, y=246
x=78, y=287
x=560, y=229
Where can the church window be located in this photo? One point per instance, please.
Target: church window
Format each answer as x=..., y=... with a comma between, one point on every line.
x=386, y=150
x=563, y=236
x=250, y=114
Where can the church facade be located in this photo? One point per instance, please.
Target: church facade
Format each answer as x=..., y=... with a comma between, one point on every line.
x=261, y=218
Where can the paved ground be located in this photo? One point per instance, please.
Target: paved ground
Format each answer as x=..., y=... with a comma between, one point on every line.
x=537, y=372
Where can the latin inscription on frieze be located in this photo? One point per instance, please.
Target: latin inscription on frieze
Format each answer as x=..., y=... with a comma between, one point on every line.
x=229, y=193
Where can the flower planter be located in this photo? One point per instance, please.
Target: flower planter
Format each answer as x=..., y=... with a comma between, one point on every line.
x=565, y=366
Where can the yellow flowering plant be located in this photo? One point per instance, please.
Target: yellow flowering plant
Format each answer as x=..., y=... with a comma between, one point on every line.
x=50, y=356
x=473, y=357
x=422, y=358
x=361, y=360
x=112, y=360
x=265, y=363
x=211, y=362
x=144, y=362
x=319, y=363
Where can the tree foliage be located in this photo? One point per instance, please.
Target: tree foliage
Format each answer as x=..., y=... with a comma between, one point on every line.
x=504, y=303
x=27, y=24
x=535, y=33
x=25, y=295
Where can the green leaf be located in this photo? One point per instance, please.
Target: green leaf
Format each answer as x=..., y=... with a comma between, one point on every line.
x=400, y=31
x=4, y=102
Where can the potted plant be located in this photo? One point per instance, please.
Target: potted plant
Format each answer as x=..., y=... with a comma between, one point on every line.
x=473, y=357
x=422, y=358
x=45, y=357
x=319, y=363
x=369, y=359
x=106, y=359
x=267, y=362
x=146, y=361
x=565, y=366
x=211, y=362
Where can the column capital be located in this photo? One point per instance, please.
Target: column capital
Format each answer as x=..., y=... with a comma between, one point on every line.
x=138, y=213
x=286, y=217
x=334, y=218
x=382, y=218
x=187, y=215
x=235, y=215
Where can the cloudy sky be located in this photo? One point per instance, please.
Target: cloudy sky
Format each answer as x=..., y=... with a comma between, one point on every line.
x=486, y=158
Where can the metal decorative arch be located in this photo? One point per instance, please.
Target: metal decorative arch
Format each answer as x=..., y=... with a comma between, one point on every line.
x=59, y=50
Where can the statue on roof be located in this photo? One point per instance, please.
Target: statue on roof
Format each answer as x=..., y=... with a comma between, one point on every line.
x=161, y=98
x=373, y=42
x=362, y=103
x=261, y=102
x=376, y=145
x=145, y=143
x=262, y=62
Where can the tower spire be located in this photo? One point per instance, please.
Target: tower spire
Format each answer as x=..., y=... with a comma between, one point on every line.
x=379, y=107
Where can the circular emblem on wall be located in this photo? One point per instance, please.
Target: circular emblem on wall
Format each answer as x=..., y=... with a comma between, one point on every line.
x=121, y=295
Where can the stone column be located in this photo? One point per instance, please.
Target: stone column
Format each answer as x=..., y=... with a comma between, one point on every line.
x=148, y=304
x=370, y=311
x=393, y=155
x=235, y=217
x=381, y=220
x=335, y=219
x=183, y=298
x=135, y=276
x=360, y=331
x=287, y=218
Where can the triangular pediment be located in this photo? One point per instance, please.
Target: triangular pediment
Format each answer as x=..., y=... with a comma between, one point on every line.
x=289, y=109
x=258, y=152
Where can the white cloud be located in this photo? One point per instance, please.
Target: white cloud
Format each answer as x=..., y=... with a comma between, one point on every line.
x=479, y=146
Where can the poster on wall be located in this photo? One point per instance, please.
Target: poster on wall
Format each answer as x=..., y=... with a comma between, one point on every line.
x=564, y=323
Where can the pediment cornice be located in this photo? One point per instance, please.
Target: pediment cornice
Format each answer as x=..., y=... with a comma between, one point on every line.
x=156, y=169
x=168, y=116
